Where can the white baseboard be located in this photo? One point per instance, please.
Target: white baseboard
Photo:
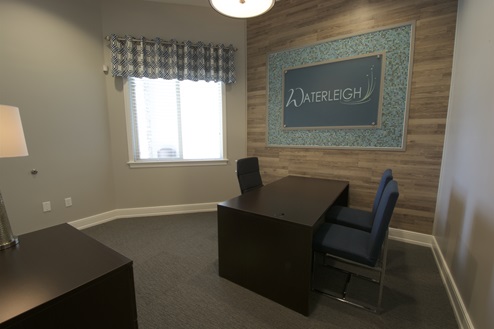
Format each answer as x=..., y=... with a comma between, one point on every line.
x=410, y=237
x=426, y=240
x=456, y=301
x=459, y=308
x=142, y=212
x=95, y=220
x=395, y=234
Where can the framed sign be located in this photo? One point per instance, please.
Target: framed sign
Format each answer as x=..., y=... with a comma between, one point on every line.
x=351, y=92
x=334, y=94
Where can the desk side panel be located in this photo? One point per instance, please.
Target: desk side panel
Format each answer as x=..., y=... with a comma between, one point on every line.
x=266, y=255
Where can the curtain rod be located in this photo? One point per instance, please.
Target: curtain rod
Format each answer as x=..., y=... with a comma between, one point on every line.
x=162, y=42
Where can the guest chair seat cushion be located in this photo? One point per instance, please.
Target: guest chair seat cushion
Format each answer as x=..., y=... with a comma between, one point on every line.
x=345, y=242
x=351, y=217
x=361, y=247
x=357, y=218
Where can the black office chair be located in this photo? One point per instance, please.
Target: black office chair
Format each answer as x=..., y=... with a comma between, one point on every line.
x=248, y=174
x=353, y=251
x=357, y=218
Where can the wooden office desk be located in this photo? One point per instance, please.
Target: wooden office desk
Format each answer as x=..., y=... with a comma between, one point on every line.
x=60, y=278
x=265, y=237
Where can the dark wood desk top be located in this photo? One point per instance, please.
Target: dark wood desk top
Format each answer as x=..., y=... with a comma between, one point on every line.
x=48, y=264
x=296, y=199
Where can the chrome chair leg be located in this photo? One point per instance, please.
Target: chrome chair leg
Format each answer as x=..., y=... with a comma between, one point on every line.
x=381, y=269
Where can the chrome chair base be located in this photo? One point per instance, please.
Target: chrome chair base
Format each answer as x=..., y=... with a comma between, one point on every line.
x=352, y=270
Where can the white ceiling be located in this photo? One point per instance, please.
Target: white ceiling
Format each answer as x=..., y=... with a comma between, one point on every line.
x=202, y=3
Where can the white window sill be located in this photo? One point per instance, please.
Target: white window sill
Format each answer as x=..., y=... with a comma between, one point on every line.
x=189, y=163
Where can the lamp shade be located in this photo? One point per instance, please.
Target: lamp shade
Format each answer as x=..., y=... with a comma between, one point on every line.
x=12, y=142
x=242, y=8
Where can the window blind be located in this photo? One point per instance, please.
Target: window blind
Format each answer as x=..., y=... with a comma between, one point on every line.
x=176, y=120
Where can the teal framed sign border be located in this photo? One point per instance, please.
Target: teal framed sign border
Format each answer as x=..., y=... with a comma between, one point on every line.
x=397, y=44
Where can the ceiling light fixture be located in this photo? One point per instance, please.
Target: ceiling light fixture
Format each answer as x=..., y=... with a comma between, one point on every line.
x=242, y=8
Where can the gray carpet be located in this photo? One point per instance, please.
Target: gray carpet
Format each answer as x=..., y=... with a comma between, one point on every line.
x=177, y=283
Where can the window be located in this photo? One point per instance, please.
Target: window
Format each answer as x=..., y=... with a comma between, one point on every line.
x=171, y=121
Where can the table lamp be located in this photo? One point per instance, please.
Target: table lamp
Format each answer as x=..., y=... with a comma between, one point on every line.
x=12, y=144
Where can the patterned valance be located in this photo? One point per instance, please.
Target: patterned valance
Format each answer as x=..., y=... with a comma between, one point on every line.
x=156, y=58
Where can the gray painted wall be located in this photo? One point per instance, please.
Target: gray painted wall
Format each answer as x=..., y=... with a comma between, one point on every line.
x=464, y=223
x=51, y=58
x=175, y=185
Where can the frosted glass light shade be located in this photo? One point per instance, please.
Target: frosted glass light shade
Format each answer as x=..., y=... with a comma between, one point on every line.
x=242, y=8
x=12, y=142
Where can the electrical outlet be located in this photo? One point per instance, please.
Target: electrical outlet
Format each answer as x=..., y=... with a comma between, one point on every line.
x=46, y=206
x=68, y=202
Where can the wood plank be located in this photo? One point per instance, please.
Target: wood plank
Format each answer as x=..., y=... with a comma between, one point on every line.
x=293, y=23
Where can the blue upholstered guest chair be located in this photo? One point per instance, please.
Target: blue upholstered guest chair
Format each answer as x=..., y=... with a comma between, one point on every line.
x=357, y=218
x=345, y=245
x=248, y=174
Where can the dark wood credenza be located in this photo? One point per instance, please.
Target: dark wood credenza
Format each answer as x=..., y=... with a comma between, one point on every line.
x=60, y=278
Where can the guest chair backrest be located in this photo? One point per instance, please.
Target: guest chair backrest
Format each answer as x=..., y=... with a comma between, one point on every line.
x=248, y=174
x=380, y=226
x=386, y=177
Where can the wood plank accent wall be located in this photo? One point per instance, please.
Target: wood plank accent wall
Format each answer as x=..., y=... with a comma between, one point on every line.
x=295, y=23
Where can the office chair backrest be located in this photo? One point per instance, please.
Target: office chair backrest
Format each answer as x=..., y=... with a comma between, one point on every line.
x=386, y=177
x=381, y=221
x=248, y=174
